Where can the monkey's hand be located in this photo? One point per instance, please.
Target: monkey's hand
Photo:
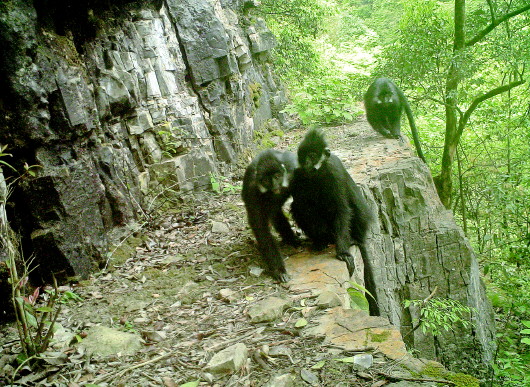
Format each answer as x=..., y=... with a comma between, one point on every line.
x=347, y=257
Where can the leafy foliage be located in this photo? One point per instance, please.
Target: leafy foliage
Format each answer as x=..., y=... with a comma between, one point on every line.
x=423, y=61
x=171, y=144
x=221, y=185
x=4, y=154
x=35, y=323
x=326, y=100
x=295, y=23
x=511, y=298
x=321, y=92
x=438, y=315
x=358, y=296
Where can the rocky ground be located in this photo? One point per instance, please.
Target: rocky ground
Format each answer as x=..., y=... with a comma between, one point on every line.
x=187, y=289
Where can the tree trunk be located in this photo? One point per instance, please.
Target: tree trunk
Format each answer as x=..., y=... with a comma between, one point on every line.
x=444, y=180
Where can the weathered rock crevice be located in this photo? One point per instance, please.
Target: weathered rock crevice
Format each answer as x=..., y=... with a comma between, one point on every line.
x=153, y=96
x=189, y=72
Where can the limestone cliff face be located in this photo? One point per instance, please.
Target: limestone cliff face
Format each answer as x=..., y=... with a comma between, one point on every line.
x=114, y=99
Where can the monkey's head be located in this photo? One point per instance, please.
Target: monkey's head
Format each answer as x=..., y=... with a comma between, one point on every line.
x=385, y=95
x=313, y=152
x=271, y=175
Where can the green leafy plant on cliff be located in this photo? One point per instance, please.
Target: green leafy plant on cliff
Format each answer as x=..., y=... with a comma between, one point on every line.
x=4, y=163
x=255, y=94
x=171, y=145
x=34, y=321
x=439, y=314
x=265, y=136
x=221, y=185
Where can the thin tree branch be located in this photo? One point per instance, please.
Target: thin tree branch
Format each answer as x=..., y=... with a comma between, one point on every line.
x=423, y=303
x=481, y=34
x=397, y=378
x=482, y=98
x=459, y=111
x=492, y=11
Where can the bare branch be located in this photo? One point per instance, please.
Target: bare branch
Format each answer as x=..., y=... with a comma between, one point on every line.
x=482, y=98
x=481, y=34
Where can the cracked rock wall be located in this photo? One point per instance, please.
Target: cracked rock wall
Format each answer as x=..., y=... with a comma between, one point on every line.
x=416, y=249
x=117, y=99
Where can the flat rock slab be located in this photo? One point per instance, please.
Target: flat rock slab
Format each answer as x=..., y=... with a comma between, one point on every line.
x=318, y=273
x=285, y=380
x=268, y=309
x=106, y=341
x=355, y=330
x=321, y=272
x=228, y=360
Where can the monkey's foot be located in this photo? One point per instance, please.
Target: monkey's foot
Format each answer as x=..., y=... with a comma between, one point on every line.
x=281, y=277
x=347, y=257
x=292, y=241
x=278, y=272
x=319, y=246
x=387, y=134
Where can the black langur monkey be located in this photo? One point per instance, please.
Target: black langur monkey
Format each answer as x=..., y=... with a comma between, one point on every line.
x=384, y=102
x=265, y=190
x=329, y=206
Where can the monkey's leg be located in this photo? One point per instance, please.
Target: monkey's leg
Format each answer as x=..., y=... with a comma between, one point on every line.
x=381, y=128
x=259, y=223
x=311, y=224
x=391, y=127
x=395, y=127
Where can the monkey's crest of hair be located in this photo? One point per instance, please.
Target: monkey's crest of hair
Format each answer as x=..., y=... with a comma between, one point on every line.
x=268, y=163
x=314, y=140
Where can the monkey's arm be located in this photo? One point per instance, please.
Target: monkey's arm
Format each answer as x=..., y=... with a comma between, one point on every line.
x=258, y=218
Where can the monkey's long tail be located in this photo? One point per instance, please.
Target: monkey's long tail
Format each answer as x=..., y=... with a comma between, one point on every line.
x=369, y=281
x=414, y=131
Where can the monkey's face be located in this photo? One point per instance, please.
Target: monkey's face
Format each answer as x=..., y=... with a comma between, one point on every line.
x=385, y=98
x=273, y=180
x=312, y=161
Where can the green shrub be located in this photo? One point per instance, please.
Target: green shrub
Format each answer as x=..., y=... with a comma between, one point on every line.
x=328, y=100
